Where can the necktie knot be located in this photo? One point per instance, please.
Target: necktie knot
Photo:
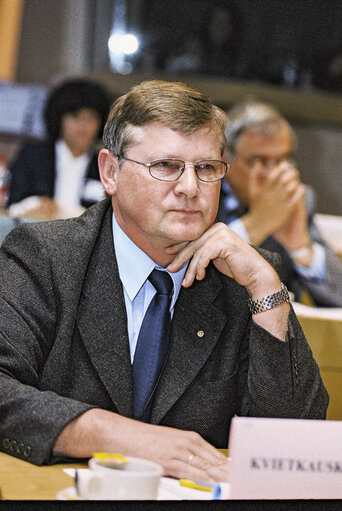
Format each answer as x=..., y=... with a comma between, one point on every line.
x=161, y=281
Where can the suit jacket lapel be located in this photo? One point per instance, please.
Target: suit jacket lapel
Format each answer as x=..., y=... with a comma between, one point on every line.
x=101, y=320
x=196, y=328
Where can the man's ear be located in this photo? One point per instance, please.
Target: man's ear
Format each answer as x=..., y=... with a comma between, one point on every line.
x=108, y=168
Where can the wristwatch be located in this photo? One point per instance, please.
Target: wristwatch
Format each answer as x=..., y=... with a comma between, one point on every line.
x=270, y=301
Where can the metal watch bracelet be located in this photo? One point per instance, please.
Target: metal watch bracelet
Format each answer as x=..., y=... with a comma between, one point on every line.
x=270, y=301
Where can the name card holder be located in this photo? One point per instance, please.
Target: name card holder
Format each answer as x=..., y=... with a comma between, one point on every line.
x=285, y=459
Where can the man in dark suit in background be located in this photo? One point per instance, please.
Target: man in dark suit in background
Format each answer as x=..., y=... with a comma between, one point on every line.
x=265, y=202
x=75, y=293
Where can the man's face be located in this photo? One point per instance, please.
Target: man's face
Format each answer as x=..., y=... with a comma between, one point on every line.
x=156, y=214
x=255, y=149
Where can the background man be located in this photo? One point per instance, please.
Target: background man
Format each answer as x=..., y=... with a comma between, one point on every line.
x=264, y=201
x=76, y=293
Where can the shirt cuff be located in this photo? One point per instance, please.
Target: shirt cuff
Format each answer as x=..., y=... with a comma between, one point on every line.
x=238, y=227
x=316, y=270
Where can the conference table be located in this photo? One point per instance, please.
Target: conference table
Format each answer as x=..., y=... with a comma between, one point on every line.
x=21, y=480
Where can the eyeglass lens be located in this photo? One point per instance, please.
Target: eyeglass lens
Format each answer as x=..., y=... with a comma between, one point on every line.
x=170, y=170
x=269, y=163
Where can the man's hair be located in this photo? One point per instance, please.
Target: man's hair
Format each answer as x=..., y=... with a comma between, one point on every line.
x=174, y=104
x=256, y=117
x=70, y=96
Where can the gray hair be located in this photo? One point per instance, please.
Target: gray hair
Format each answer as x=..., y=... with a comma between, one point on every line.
x=253, y=116
x=174, y=104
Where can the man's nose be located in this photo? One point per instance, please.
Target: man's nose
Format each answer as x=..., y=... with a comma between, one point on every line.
x=188, y=183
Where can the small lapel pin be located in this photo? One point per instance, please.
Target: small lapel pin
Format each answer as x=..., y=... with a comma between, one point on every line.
x=200, y=333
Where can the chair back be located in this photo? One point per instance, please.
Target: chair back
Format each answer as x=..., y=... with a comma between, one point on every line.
x=323, y=330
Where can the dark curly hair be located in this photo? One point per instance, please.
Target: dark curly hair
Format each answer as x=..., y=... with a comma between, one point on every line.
x=71, y=96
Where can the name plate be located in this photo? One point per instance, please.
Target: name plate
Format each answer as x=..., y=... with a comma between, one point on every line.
x=285, y=459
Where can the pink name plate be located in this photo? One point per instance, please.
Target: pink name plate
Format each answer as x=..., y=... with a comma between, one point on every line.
x=285, y=459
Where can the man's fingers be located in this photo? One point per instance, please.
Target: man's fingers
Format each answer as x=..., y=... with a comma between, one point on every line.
x=181, y=257
x=192, y=270
x=191, y=457
x=207, y=465
x=297, y=195
x=213, y=245
x=177, y=247
x=211, y=466
x=190, y=248
x=203, y=470
x=200, y=470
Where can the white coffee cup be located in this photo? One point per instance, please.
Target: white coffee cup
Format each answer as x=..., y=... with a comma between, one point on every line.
x=138, y=479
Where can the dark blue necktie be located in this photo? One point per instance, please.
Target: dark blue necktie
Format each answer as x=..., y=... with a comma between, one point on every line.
x=152, y=345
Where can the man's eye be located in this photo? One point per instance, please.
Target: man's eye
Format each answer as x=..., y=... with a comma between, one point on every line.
x=205, y=166
x=166, y=165
x=256, y=161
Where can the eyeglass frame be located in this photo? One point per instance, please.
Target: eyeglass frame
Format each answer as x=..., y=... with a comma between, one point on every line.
x=252, y=161
x=194, y=164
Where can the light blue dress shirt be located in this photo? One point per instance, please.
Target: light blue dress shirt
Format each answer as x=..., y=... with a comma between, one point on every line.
x=134, y=268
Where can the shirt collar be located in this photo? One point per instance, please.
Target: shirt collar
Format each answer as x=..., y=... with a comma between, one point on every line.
x=135, y=265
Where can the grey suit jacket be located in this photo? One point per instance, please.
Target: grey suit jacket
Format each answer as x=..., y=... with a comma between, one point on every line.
x=64, y=345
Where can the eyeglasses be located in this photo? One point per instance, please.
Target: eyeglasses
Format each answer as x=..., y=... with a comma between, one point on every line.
x=169, y=169
x=267, y=163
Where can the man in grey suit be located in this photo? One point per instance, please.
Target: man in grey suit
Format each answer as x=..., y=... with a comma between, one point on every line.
x=74, y=294
x=265, y=202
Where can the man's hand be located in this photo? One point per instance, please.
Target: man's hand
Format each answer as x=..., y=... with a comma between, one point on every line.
x=235, y=258
x=182, y=454
x=273, y=196
x=294, y=233
x=231, y=255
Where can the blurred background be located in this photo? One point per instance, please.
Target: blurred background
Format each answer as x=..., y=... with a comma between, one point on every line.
x=285, y=52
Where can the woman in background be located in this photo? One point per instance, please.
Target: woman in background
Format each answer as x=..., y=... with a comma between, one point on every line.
x=59, y=177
